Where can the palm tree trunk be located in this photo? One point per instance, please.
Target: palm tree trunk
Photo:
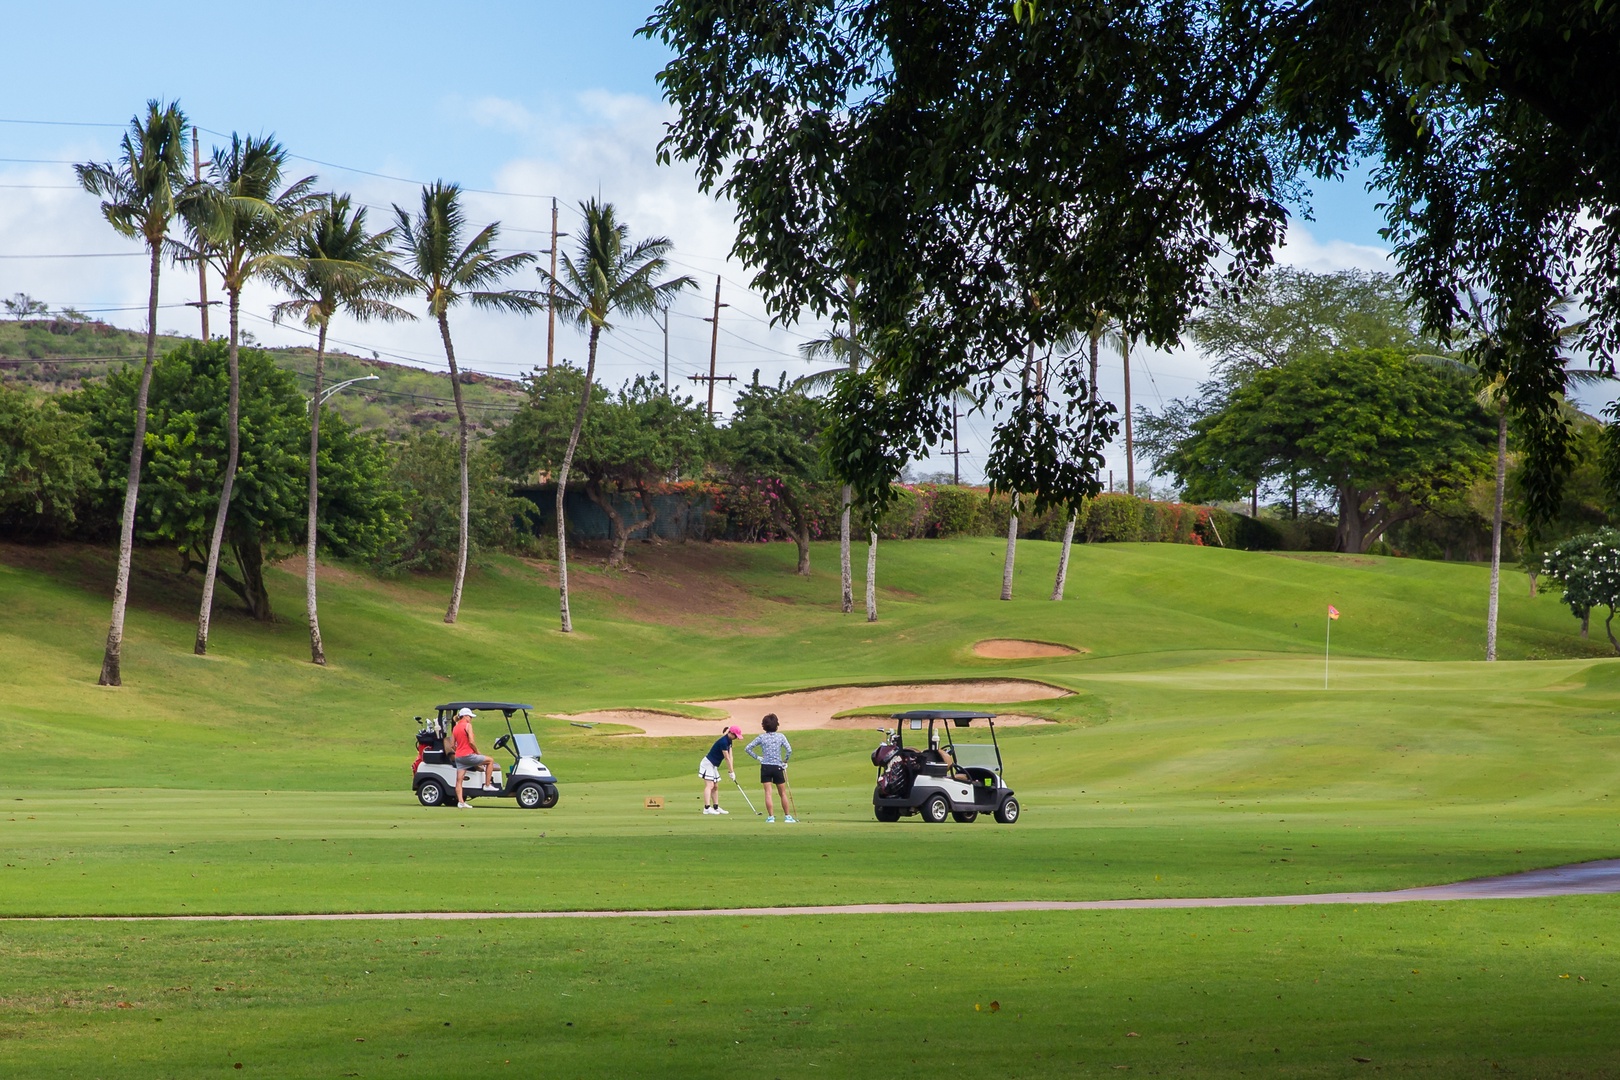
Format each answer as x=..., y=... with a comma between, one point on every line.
x=562, y=480
x=843, y=554
x=317, y=652
x=871, y=577
x=233, y=435
x=1063, y=559
x=112, y=658
x=1012, y=551
x=1496, y=533
x=461, y=423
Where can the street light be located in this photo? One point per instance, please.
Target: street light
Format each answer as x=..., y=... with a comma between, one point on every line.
x=329, y=391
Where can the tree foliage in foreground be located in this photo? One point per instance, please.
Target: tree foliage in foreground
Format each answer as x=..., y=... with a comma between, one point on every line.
x=994, y=181
x=361, y=515
x=1385, y=436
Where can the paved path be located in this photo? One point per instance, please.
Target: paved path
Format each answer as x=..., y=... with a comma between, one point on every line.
x=1578, y=879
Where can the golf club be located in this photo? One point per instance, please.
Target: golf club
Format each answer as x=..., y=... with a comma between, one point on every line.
x=744, y=794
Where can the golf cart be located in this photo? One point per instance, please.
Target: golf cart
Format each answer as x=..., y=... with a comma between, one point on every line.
x=433, y=776
x=940, y=779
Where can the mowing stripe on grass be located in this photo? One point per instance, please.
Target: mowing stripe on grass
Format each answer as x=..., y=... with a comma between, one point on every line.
x=1578, y=879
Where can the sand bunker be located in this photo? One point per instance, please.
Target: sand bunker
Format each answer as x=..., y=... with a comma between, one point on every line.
x=1016, y=649
x=800, y=710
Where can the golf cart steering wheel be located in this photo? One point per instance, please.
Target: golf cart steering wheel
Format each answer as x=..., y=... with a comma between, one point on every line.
x=501, y=742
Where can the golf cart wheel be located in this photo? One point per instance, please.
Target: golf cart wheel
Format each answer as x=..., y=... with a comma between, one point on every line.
x=886, y=813
x=431, y=793
x=966, y=817
x=530, y=797
x=1007, y=812
x=548, y=793
x=936, y=810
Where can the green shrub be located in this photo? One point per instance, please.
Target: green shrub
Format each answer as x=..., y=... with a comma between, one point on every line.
x=1255, y=534
x=1112, y=519
x=956, y=511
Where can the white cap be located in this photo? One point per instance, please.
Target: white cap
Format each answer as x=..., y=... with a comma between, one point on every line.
x=466, y=712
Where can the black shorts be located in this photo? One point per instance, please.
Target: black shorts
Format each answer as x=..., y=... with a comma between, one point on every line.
x=772, y=774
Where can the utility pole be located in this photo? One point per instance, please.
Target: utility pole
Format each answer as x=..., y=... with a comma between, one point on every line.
x=1130, y=447
x=551, y=290
x=956, y=445
x=665, y=313
x=201, y=303
x=714, y=349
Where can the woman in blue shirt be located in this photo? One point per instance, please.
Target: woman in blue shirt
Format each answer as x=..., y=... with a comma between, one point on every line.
x=709, y=769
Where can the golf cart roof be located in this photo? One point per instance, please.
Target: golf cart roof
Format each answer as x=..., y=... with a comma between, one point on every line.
x=503, y=706
x=960, y=718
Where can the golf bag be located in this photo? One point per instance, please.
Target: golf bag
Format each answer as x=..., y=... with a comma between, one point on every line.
x=898, y=774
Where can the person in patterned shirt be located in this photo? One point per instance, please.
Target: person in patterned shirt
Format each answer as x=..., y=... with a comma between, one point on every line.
x=773, y=751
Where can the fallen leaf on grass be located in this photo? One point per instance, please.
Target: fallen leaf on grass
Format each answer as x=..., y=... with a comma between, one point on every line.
x=1132, y=1035
x=995, y=1006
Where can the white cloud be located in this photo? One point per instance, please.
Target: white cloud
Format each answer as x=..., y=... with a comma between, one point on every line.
x=1302, y=249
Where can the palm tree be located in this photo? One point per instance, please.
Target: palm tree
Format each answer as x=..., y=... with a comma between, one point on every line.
x=1492, y=397
x=139, y=196
x=850, y=354
x=1094, y=337
x=336, y=265
x=240, y=219
x=607, y=277
x=447, y=271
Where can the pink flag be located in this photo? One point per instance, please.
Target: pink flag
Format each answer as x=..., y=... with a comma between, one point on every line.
x=1333, y=612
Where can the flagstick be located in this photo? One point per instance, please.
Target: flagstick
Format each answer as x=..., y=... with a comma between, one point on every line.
x=1327, y=648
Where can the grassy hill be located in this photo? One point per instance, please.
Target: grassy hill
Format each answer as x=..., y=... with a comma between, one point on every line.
x=53, y=355
x=1199, y=754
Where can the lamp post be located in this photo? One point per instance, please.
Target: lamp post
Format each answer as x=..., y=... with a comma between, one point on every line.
x=330, y=390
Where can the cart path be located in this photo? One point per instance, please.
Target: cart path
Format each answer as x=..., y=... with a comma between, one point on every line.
x=1576, y=879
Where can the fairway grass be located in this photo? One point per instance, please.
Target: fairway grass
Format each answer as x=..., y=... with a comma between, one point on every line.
x=1198, y=754
x=1528, y=988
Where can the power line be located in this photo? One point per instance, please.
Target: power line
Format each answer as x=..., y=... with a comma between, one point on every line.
x=82, y=255
x=60, y=123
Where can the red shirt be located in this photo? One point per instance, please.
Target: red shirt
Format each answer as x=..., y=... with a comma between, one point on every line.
x=462, y=736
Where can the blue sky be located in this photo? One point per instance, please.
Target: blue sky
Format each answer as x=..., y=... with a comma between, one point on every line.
x=533, y=99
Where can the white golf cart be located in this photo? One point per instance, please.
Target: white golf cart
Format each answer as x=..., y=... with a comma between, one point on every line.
x=941, y=778
x=433, y=777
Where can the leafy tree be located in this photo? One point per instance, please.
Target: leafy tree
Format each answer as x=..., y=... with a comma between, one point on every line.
x=426, y=467
x=1292, y=313
x=607, y=277
x=1384, y=434
x=633, y=441
x=1588, y=566
x=447, y=269
x=336, y=265
x=22, y=306
x=774, y=438
x=47, y=465
x=958, y=158
x=139, y=200
x=186, y=449
x=240, y=220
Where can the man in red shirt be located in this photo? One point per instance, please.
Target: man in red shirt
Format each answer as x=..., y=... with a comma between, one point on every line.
x=467, y=755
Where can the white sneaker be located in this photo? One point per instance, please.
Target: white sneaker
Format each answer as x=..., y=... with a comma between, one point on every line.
x=708, y=810
x=721, y=810
x=463, y=806
x=771, y=820
x=791, y=820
